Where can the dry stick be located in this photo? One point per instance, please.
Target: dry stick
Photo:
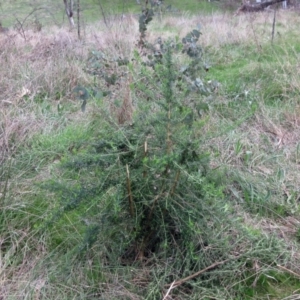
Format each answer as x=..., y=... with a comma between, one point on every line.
x=2, y=197
x=145, y=155
x=175, y=183
x=273, y=26
x=168, y=291
x=126, y=110
x=169, y=142
x=78, y=19
x=181, y=281
x=258, y=7
x=289, y=271
x=130, y=198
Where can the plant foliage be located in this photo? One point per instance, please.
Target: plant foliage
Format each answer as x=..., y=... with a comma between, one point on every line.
x=145, y=191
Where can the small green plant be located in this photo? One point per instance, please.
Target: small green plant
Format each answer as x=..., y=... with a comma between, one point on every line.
x=149, y=168
x=151, y=177
x=143, y=192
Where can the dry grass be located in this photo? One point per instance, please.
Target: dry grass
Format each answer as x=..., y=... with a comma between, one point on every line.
x=45, y=62
x=222, y=29
x=37, y=74
x=46, y=67
x=118, y=37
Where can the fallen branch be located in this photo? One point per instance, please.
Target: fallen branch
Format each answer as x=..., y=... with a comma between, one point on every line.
x=245, y=8
x=168, y=291
x=288, y=271
x=181, y=281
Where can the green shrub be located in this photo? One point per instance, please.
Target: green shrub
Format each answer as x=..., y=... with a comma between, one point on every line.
x=145, y=192
x=147, y=169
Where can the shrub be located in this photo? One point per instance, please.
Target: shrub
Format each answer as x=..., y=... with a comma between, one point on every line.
x=144, y=190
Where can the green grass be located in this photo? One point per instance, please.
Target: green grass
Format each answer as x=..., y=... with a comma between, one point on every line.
x=242, y=68
x=92, y=10
x=271, y=285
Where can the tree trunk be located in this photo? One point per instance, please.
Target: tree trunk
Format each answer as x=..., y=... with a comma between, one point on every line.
x=78, y=19
x=257, y=7
x=69, y=12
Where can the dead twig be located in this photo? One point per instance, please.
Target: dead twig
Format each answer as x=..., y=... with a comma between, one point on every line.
x=248, y=8
x=273, y=26
x=168, y=291
x=288, y=271
x=181, y=281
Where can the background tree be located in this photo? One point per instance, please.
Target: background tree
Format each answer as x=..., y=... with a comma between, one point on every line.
x=69, y=11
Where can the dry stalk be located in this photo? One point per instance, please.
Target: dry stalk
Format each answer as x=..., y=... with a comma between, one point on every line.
x=175, y=183
x=78, y=20
x=145, y=155
x=273, y=25
x=3, y=193
x=130, y=198
x=168, y=291
x=125, y=113
x=169, y=134
x=288, y=271
x=181, y=281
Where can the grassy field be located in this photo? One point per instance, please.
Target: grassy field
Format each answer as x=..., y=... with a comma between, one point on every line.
x=249, y=124
x=28, y=12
